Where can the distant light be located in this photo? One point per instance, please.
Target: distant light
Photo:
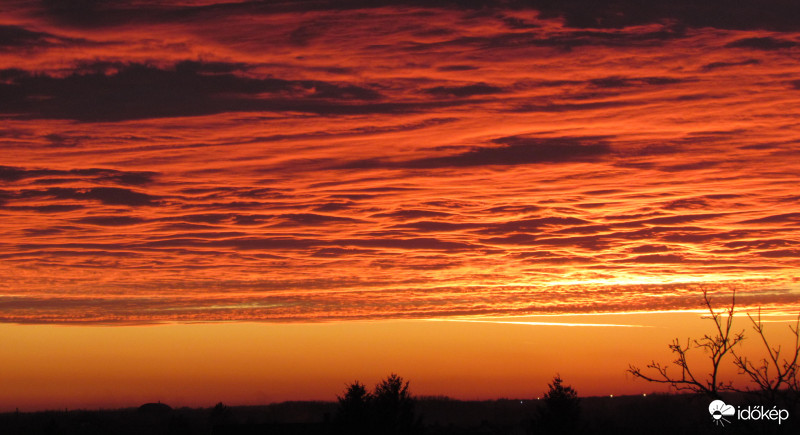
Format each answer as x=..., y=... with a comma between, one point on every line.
x=612, y=396
x=644, y=394
x=520, y=402
x=537, y=398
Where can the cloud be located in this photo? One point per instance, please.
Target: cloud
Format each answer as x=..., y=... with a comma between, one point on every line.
x=20, y=38
x=334, y=206
x=656, y=259
x=231, y=218
x=438, y=227
x=569, y=107
x=16, y=36
x=680, y=219
x=340, y=160
x=514, y=150
x=764, y=43
x=716, y=65
x=129, y=178
x=138, y=178
x=781, y=253
x=646, y=249
x=50, y=208
x=514, y=209
x=595, y=14
x=761, y=244
x=690, y=166
x=564, y=41
x=623, y=82
x=415, y=243
x=105, y=195
x=777, y=218
x=64, y=141
x=139, y=91
x=464, y=91
x=771, y=14
x=312, y=219
x=412, y=214
x=533, y=224
x=458, y=67
x=340, y=252
x=111, y=221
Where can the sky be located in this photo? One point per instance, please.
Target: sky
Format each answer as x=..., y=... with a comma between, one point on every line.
x=314, y=163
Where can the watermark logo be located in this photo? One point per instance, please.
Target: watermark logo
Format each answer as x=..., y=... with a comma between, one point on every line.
x=719, y=410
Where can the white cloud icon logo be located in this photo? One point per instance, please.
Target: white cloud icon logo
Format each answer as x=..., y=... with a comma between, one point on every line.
x=719, y=410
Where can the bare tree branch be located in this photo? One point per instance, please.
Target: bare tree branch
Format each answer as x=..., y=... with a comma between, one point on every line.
x=775, y=378
x=717, y=345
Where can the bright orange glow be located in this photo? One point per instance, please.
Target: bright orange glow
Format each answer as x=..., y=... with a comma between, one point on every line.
x=255, y=363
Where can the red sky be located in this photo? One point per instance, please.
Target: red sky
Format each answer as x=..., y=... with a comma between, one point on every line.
x=314, y=161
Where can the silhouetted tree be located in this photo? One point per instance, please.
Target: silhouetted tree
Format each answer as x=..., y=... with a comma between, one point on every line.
x=353, y=415
x=388, y=410
x=394, y=406
x=776, y=379
x=561, y=410
x=717, y=345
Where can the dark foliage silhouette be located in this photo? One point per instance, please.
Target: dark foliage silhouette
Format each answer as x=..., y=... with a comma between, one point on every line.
x=394, y=406
x=353, y=415
x=561, y=410
x=775, y=378
x=387, y=410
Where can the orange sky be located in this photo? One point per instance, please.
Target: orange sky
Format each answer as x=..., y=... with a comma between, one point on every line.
x=335, y=161
x=239, y=363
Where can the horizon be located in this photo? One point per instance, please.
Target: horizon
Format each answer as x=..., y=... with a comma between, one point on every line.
x=199, y=365
x=334, y=401
x=239, y=201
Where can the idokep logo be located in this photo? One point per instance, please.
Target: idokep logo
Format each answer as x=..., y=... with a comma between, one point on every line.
x=719, y=410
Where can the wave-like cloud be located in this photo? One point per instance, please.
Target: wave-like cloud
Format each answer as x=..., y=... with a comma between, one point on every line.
x=338, y=160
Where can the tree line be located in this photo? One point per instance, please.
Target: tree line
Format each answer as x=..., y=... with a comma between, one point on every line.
x=390, y=409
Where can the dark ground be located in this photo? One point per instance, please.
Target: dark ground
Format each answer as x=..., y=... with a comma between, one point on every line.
x=653, y=414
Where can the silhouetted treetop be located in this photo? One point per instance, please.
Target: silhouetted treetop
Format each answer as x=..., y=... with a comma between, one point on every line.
x=353, y=404
x=392, y=390
x=562, y=400
x=561, y=409
x=387, y=410
x=394, y=406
